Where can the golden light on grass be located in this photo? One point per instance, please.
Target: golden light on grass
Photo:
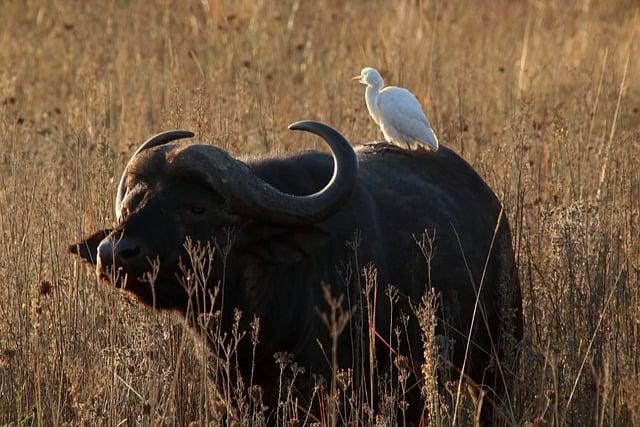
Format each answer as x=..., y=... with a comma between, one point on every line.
x=540, y=97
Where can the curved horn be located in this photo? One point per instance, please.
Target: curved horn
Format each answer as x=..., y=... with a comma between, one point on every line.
x=154, y=141
x=251, y=195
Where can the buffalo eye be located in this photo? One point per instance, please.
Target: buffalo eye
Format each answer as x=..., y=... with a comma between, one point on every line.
x=197, y=210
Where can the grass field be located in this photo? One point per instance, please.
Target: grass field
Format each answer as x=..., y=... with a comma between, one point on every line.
x=541, y=97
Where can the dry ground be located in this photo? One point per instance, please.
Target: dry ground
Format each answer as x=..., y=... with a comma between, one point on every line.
x=541, y=97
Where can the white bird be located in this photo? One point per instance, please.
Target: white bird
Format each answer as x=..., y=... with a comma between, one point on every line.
x=398, y=113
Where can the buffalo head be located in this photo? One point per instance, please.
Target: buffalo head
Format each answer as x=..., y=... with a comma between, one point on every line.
x=173, y=192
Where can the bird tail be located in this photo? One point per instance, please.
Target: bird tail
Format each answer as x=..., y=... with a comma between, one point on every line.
x=432, y=140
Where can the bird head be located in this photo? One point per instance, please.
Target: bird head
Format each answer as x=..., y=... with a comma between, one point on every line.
x=370, y=77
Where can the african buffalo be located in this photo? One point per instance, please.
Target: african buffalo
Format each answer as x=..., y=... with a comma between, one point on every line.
x=293, y=218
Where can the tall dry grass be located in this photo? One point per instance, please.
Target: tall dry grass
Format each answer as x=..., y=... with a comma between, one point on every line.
x=541, y=97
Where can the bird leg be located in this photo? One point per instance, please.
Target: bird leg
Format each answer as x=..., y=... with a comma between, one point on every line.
x=380, y=146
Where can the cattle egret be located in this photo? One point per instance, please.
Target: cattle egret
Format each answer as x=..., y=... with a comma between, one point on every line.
x=398, y=113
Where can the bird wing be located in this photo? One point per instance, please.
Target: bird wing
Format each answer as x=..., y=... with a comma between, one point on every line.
x=401, y=110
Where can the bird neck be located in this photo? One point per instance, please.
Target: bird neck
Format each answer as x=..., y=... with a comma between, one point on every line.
x=371, y=97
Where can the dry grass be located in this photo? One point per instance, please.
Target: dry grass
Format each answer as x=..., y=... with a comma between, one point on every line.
x=541, y=97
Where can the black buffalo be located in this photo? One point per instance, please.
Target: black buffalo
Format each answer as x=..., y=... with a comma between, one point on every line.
x=295, y=221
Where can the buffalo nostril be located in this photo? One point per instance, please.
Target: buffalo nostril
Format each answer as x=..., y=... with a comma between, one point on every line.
x=129, y=252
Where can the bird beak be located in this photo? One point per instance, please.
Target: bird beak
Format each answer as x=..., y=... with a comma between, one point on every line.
x=356, y=78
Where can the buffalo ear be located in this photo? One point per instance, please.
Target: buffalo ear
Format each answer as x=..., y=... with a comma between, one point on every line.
x=87, y=250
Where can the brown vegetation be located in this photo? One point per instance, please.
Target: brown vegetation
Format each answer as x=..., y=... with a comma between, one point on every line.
x=540, y=97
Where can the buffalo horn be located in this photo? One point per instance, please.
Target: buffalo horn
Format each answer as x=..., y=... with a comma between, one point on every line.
x=248, y=195
x=154, y=141
x=266, y=202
